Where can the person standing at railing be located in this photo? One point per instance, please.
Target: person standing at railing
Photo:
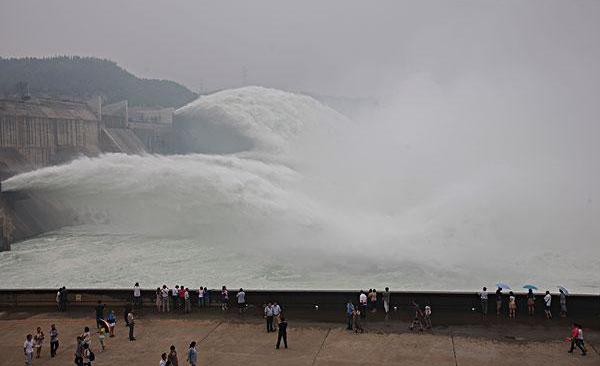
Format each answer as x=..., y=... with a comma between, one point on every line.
x=187, y=300
x=137, y=296
x=164, y=293
x=386, y=301
x=483, y=296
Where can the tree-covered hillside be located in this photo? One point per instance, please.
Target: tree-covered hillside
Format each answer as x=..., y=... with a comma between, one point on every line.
x=84, y=77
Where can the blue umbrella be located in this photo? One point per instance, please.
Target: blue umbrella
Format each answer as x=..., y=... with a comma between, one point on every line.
x=530, y=287
x=563, y=290
x=503, y=286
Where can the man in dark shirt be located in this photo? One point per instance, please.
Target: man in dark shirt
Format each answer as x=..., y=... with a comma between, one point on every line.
x=63, y=298
x=282, y=333
x=100, y=314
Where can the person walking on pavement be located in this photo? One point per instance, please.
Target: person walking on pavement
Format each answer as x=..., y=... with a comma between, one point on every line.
x=38, y=341
x=349, y=314
x=88, y=355
x=28, y=350
x=131, y=321
x=53, y=340
x=269, y=317
x=173, y=356
x=192, y=355
x=79, y=351
x=282, y=333
x=577, y=339
x=163, y=360
x=128, y=310
x=112, y=322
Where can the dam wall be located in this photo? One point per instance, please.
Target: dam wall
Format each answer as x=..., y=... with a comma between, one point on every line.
x=453, y=307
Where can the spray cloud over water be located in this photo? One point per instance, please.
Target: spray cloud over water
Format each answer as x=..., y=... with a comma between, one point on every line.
x=424, y=192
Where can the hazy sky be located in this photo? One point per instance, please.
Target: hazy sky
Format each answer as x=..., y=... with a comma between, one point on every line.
x=341, y=47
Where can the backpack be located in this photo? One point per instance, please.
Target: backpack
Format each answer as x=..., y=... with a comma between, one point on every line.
x=92, y=356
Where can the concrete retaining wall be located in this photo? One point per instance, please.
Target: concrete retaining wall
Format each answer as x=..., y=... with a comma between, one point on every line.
x=451, y=305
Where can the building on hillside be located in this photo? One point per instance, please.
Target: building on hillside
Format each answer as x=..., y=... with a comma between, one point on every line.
x=115, y=115
x=154, y=127
x=46, y=131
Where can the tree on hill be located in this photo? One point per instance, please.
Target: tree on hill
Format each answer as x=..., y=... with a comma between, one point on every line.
x=85, y=77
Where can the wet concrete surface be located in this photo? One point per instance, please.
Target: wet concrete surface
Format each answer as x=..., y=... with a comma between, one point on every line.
x=231, y=339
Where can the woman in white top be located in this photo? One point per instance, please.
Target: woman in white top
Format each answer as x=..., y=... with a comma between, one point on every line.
x=548, y=305
x=512, y=305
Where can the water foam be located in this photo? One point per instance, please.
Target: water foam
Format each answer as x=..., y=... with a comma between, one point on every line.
x=301, y=190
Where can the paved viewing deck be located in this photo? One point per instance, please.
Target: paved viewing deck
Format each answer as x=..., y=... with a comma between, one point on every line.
x=229, y=339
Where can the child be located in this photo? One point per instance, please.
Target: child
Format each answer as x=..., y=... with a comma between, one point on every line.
x=112, y=321
x=512, y=305
x=356, y=320
x=416, y=322
x=417, y=319
x=101, y=337
x=38, y=340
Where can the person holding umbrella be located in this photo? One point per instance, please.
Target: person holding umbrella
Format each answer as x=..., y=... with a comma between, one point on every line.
x=530, y=298
x=498, y=301
x=563, y=302
x=530, y=302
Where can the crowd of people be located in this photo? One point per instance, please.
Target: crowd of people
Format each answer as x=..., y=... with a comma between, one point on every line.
x=511, y=303
x=179, y=298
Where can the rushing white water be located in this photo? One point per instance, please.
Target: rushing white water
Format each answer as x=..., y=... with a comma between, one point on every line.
x=287, y=193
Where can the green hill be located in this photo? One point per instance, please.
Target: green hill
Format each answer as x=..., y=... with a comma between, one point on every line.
x=84, y=77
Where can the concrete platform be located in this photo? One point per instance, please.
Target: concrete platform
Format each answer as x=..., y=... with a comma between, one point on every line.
x=227, y=339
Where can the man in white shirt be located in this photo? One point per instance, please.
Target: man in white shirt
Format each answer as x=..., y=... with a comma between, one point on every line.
x=269, y=317
x=241, y=300
x=137, y=296
x=548, y=305
x=276, y=313
x=163, y=360
x=28, y=350
x=483, y=296
x=362, y=300
x=164, y=299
